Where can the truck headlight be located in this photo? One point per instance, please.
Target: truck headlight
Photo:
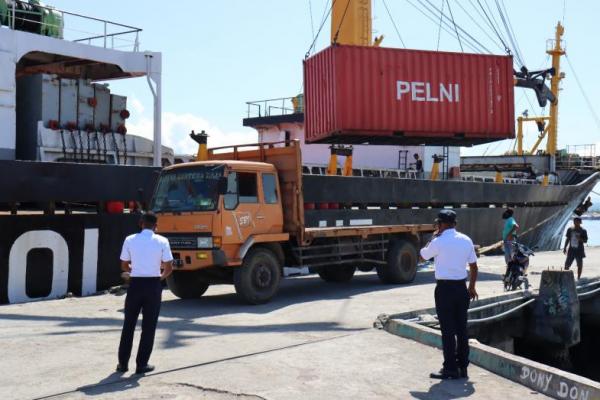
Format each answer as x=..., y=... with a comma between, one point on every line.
x=205, y=243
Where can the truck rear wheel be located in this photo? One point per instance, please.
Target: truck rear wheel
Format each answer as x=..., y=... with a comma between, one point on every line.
x=401, y=266
x=187, y=284
x=257, y=280
x=337, y=274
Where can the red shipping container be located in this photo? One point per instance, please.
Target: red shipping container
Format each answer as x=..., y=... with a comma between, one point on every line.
x=377, y=95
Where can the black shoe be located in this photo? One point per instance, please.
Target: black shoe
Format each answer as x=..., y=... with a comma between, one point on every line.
x=462, y=373
x=122, y=368
x=145, y=369
x=443, y=374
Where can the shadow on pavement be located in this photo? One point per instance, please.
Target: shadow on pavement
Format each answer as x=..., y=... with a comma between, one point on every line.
x=446, y=390
x=182, y=319
x=111, y=384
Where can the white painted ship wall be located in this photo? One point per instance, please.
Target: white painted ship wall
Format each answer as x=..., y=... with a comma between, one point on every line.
x=15, y=44
x=365, y=156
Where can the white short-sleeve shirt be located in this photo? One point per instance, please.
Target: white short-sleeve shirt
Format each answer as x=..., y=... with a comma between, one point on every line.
x=452, y=252
x=146, y=251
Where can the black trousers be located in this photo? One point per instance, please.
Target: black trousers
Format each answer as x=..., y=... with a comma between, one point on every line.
x=144, y=294
x=451, y=305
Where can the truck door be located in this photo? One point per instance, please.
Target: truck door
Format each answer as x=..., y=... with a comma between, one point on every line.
x=269, y=218
x=241, y=207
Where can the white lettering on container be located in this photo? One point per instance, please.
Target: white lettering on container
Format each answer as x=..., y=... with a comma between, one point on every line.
x=416, y=89
x=428, y=92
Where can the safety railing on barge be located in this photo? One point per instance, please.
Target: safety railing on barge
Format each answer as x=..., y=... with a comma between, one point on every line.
x=33, y=17
x=320, y=169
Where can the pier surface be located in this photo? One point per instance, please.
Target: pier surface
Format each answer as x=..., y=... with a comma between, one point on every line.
x=313, y=341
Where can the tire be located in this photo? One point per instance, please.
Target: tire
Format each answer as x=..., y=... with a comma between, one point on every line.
x=337, y=274
x=187, y=284
x=257, y=280
x=401, y=266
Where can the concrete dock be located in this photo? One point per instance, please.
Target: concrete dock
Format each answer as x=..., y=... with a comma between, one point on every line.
x=313, y=341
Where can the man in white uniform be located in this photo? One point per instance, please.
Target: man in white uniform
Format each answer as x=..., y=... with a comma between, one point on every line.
x=143, y=256
x=452, y=252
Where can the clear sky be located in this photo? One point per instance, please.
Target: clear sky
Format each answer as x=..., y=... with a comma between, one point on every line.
x=219, y=54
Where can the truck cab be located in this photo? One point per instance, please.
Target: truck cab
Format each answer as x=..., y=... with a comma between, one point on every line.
x=209, y=209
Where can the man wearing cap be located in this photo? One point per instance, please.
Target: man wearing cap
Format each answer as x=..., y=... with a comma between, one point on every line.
x=143, y=256
x=452, y=252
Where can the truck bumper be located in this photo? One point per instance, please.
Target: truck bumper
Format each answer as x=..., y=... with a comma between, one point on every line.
x=198, y=259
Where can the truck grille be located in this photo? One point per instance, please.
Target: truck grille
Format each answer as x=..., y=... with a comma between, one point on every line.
x=183, y=242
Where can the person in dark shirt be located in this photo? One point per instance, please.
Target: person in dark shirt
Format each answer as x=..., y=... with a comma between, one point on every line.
x=575, y=240
x=418, y=165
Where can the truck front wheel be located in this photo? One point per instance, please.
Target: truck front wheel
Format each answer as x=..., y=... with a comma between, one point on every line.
x=337, y=274
x=401, y=265
x=257, y=280
x=187, y=284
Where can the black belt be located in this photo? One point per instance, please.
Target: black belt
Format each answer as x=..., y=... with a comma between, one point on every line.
x=451, y=281
x=145, y=277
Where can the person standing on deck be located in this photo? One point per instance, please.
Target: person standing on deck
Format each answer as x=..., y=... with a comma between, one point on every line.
x=143, y=256
x=576, y=238
x=509, y=235
x=452, y=252
x=418, y=166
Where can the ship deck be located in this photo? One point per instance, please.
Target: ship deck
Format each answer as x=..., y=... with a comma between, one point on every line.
x=314, y=341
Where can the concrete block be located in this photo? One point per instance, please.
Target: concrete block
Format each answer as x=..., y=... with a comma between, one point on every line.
x=555, y=318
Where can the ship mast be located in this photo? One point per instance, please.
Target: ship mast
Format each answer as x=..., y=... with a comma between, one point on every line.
x=556, y=50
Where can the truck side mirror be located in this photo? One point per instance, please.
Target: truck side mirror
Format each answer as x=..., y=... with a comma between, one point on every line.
x=222, y=185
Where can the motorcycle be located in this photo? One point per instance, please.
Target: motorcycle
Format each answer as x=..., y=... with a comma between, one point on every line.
x=517, y=267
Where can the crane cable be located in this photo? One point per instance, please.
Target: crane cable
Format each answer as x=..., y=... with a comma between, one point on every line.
x=492, y=39
x=312, y=23
x=510, y=34
x=455, y=28
x=440, y=27
x=325, y=16
x=464, y=34
x=477, y=46
x=491, y=24
x=585, y=96
x=394, y=23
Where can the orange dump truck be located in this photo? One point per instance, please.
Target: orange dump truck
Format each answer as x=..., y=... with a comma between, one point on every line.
x=239, y=218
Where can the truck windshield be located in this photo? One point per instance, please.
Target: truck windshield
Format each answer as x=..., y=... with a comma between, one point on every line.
x=188, y=189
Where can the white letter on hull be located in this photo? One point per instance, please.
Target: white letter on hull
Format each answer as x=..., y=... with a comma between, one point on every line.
x=17, y=264
x=90, y=262
x=401, y=88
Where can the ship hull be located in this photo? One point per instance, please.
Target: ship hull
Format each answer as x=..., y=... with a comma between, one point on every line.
x=542, y=212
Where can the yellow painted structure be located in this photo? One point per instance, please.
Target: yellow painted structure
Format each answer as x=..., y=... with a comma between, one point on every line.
x=351, y=23
x=520, y=135
x=499, y=177
x=332, y=168
x=435, y=171
x=556, y=50
x=347, y=171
